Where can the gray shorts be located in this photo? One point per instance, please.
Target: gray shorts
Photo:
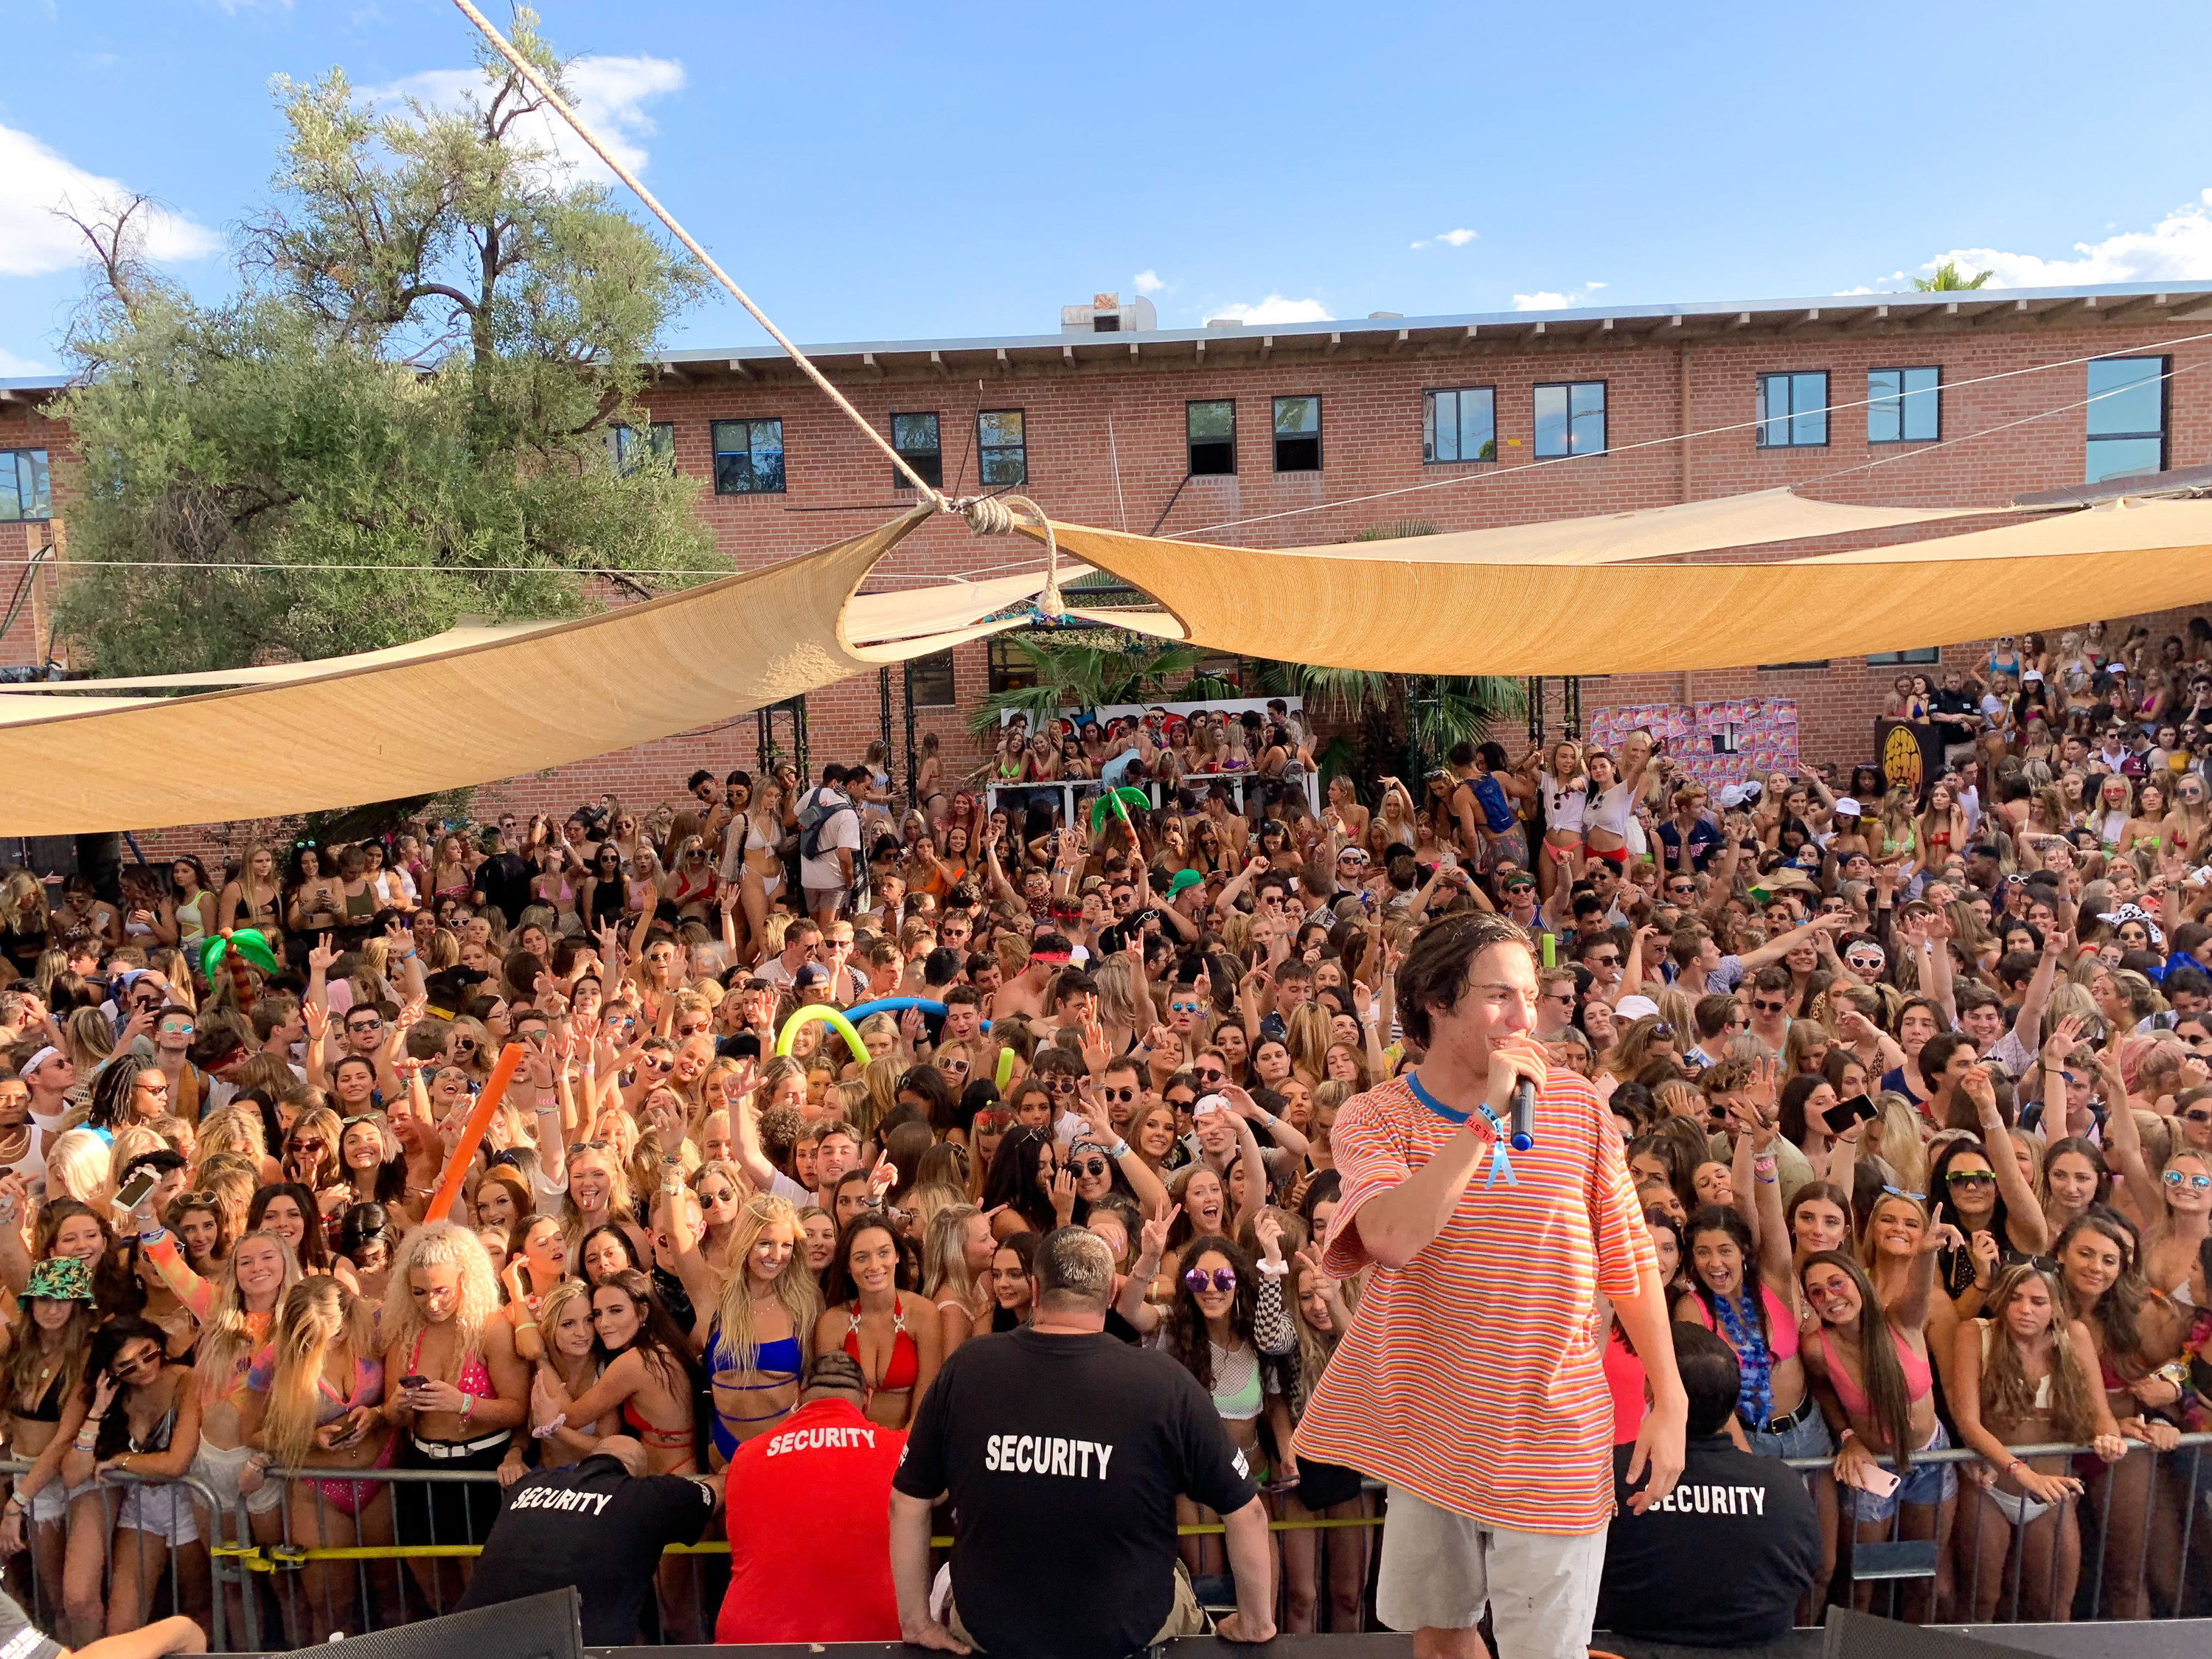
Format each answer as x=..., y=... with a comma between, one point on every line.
x=1440, y=1569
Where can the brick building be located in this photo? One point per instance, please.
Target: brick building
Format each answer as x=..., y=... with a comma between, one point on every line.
x=1276, y=432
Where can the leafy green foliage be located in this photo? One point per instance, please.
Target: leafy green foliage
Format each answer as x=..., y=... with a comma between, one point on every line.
x=437, y=329
x=1949, y=277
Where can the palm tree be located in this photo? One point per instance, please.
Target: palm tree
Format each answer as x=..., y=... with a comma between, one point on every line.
x=1396, y=719
x=1949, y=277
x=1071, y=674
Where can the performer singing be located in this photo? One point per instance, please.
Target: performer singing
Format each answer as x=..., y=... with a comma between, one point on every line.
x=1469, y=1381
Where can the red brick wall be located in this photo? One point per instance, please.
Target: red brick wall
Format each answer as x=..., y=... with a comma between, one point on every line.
x=1106, y=447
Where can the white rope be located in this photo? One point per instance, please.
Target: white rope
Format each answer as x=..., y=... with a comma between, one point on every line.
x=995, y=515
x=528, y=71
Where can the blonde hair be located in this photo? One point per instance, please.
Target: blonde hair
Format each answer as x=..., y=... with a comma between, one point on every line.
x=550, y=1306
x=733, y=1345
x=441, y=1244
x=234, y=1129
x=317, y=1315
x=944, y=1272
x=229, y=1339
x=618, y=1195
x=77, y=1165
x=89, y=1038
x=131, y=1141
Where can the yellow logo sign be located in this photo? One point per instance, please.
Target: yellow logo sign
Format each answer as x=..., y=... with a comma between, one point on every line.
x=1900, y=758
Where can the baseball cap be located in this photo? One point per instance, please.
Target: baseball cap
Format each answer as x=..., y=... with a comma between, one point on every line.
x=1182, y=881
x=811, y=974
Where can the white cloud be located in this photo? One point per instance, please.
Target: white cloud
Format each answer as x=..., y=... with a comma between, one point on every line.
x=1275, y=309
x=1548, y=301
x=608, y=94
x=1148, y=282
x=2179, y=247
x=1449, y=239
x=10, y=364
x=35, y=181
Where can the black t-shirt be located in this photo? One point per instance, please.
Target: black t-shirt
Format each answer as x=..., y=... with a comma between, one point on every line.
x=596, y=1527
x=20, y=1638
x=504, y=879
x=1064, y=1455
x=1722, y=1562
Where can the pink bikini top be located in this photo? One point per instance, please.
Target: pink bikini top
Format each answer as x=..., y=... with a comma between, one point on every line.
x=1917, y=1378
x=474, y=1379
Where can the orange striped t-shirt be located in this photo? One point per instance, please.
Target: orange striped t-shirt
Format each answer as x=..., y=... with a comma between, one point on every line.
x=1470, y=1376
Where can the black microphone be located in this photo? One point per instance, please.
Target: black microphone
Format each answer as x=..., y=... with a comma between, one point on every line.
x=1524, y=1114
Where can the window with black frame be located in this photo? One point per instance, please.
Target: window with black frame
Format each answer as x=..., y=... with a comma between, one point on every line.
x=1459, y=425
x=1569, y=418
x=1002, y=447
x=1297, y=435
x=916, y=438
x=748, y=458
x=1793, y=409
x=1904, y=405
x=26, y=486
x=632, y=449
x=1210, y=430
x=929, y=680
x=2125, y=417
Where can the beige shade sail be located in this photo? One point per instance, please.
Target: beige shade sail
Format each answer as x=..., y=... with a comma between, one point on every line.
x=1757, y=518
x=466, y=714
x=1371, y=608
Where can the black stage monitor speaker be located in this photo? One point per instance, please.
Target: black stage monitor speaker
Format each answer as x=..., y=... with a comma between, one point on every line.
x=548, y=1626
x=1850, y=1635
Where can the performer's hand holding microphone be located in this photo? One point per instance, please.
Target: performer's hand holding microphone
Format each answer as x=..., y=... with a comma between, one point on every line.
x=1523, y=1058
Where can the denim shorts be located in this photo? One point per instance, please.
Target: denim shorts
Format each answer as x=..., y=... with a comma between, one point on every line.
x=1924, y=1484
x=1808, y=1438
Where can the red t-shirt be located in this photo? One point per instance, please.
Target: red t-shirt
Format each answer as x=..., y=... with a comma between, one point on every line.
x=809, y=1506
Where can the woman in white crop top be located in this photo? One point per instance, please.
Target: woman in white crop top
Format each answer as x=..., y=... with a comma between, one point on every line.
x=1565, y=792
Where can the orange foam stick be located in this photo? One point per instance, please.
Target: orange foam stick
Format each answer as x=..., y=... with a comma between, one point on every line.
x=449, y=1182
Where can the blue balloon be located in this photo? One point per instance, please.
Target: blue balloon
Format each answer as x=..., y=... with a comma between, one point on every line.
x=860, y=1011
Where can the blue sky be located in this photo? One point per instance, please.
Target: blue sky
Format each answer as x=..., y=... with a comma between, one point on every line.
x=881, y=172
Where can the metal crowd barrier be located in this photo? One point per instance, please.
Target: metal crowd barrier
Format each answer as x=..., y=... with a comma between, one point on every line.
x=1074, y=792
x=184, y=1568
x=311, y=1568
x=2161, y=1521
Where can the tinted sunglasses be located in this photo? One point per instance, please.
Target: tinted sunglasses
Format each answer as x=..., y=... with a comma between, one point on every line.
x=1765, y=1007
x=1186, y=1007
x=1118, y=1094
x=1224, y=1278
x=1212, y=1074
x=1972, y=1178
x=2176, y=1179
x=1089, y=1166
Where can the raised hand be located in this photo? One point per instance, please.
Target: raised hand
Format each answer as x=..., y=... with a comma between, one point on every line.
x=1153, y=1237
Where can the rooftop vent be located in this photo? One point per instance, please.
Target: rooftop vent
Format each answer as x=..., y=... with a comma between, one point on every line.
x=1106, y=314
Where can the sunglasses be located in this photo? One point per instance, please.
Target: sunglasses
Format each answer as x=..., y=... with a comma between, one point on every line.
x=1972, y=1178
x=1512, y=887
x=1224, y=1279
x=1210, y=1075
x=171, y=1028
x=1612, y=961
x=140, y=1362
x=1089, y=1166
x=309, y=1144
x=2176, y=1179
x=1765, y=1007
x=654, y=1063
x=1060, y=1085
x=376, y=1025
x=958, y=1066
x=2195, y=1115
x=1118, y=1094
x=1186, y=1007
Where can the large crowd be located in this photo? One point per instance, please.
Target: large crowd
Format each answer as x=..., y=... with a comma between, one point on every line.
x=1912, y=1081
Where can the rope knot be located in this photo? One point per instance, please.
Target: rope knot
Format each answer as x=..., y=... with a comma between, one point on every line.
x=1000, y=515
